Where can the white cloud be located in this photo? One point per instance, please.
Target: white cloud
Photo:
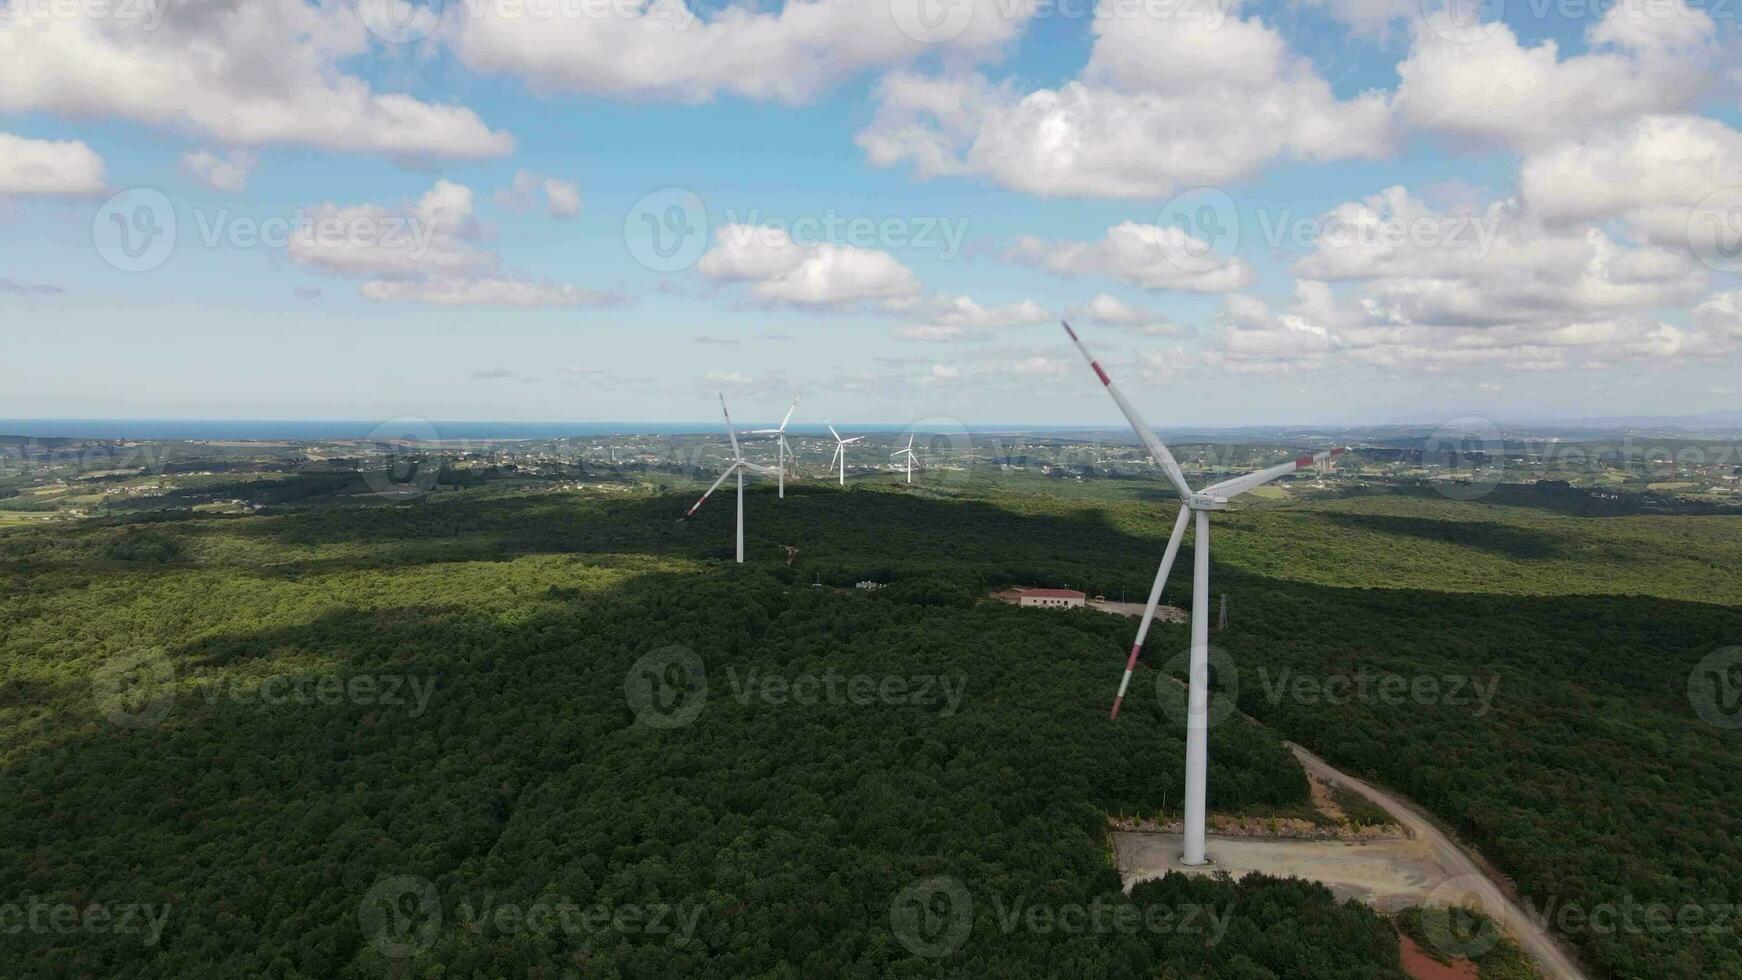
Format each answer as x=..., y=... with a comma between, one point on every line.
x=245, y=74
x=1651, y=172
x=820, y=276
x=1492, y=266
x=1478, y=83
x=664, y=50
x=1255, y=339
x=434, y=236
x=224, y=173
x=426, y=252
x=1721, y=315
x=1144, y=255
x=48, y=167
x=1165, y=102
x=1110, y=311
x=484, y=291
x=961, y=318
x=562, y=198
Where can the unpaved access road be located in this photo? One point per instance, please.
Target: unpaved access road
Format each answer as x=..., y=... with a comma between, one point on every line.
x=1391, y=873
x=1470, y=877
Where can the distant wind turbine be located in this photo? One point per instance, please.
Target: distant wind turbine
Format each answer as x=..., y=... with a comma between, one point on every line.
x=739, y=465
x=841, y=451
x=780, y=436
x=908, y=452
x=1213, y=497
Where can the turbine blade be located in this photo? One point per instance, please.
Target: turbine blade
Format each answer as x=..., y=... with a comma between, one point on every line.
x=1179, y=530
x=735, y=453
x=788, y=415
x=1151, y=441
x=832, y=432
x=1240, y=484
x=698, y=504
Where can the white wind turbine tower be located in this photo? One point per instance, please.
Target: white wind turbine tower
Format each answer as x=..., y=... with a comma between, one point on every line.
x=739, y=465
x=1201, y=502
x=780, y=436
x=841, y=452
x=908, y=452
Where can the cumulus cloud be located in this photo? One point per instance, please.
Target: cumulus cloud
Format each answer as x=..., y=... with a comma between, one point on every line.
x=562, y=198
x=246, y=74
x=1651, y=172
x=48, y=167
x=1144, y=255
x=1476, y=82
x=223, y=173
x=434, y=236
x=1491, y=266
x=1165, y=102
x=821, y=276
x=1110, y=311
x=947, y=318
x=667, y=50
x=429, y=251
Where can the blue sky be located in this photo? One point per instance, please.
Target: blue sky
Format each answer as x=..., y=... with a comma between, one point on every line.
x=1057, y=148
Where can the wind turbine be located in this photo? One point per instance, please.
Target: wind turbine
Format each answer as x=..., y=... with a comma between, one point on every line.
x=841, y=451
x=1200, y=503
x=780, y=436
x=739, y=465
x=908, y=452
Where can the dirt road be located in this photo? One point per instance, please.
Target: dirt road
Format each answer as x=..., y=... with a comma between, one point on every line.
x=1470, y=878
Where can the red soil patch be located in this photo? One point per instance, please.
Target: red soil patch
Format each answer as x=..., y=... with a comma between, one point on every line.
x=1424, y=967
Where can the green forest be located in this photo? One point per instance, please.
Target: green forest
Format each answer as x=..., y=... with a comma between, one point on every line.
x=167, y=744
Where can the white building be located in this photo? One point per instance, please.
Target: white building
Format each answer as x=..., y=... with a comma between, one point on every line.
x=1050, y=598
